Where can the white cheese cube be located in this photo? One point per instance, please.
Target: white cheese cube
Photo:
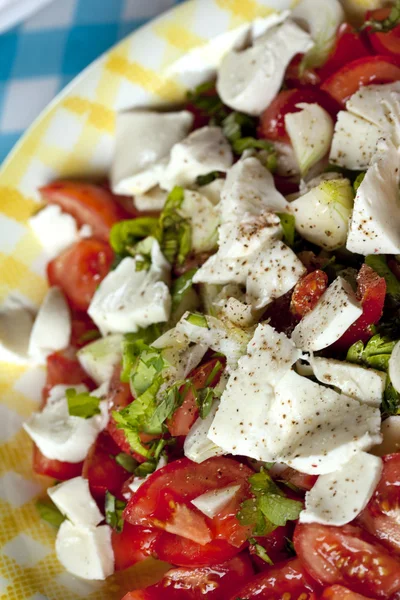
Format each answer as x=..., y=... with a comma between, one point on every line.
x=335, y=311
x=54, y=229
x=128, y=299
x=85, y=552
x=213, y=502
x=212, y=191
x=100, y=357
x=16, y=323
x=74, y=500
x=339, y=497
x=52, y=327
x=248, y=80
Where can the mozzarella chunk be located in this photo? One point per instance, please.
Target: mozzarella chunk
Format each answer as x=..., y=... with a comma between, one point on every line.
x=61, y=436
x=286, y=161
x=247, y=237
x=144, y=139
x=365, y=385
x=322, y=26
x=275, y=271
x=212, y=191
x=203, y=151
x=379, y=105
x=54, y=229
x=204, y=220
x=248, y=80
x=152, y=201
x=221, y=337
x=354, y=142
x=249, y=189
x=217, y=270
x=314, y=429
x=310, y=131
x=74, y=500
x=394, y=367
x=100, y=357
x=237, y=311
x=322, y=214
x=213, y=502
x=16, y=323
x=128, y=299
x=339, y=497
x=390, y=443
x=335, y=311
x=85, y=552
x=197, y=446
x=52, y=327
x=375, y=223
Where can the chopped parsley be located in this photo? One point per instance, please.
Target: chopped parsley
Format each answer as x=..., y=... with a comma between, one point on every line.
x=82, y=405
x=132, y=346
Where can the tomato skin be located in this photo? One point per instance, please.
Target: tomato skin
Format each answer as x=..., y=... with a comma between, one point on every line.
x=185, y=416
x=363, y=71
x=83, y=330
x=384, y=43
x=272, y=121
x=338, y=592
x=57, y=469
x=79, y=270
x=347, y=556
x=133, y=545
x=285, y=580
x=371, y=292
x=216, y=583
x=348, y=43
x=63, y=368
x=380, y=515
x=164, y=500
x=275, y=546
x=88, y=203
x=300, y=480
x=100, y=468
x=307, y=292
x=297, y=77
x=183, y=552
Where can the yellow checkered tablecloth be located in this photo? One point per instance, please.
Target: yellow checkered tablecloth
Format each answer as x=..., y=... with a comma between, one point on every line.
x=74, y=137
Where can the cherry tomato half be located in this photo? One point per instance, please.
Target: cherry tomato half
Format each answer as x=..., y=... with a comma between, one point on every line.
x=349, y=43
x=133, y=545
x=56, y=469
x=338, y=592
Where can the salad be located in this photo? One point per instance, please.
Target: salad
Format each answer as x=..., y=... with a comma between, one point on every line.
x=221, y=331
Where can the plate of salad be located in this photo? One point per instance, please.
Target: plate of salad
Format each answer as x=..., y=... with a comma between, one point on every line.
x=199, y=324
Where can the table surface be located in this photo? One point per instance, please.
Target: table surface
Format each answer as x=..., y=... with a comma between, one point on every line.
x=40, y=56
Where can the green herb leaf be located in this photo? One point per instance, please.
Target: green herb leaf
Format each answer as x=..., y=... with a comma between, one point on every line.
x=148, y=365
x=198, y=320
x=82, y=405
x=132, y=346
x=289, y=547
x=126, y=234
x=113, y=509
x=146, y=468
x=375, y=354
x=181, y=287
x=238, y=125
x=260, y=551
x=205, y=399
x=391, y=21
x=248, y=143
x=205, y=98
x=166, y=408
x=208, y=178
x=358, y=181
x=126, y=461
x=391, y=400
x=288, y=226
x=378, y=263
x=278, y=509
x=49, y=512
x=175, y=232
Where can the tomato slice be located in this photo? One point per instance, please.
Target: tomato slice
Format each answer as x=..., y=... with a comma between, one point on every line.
x=307, y=292
x=300, y=480
x=185, y=416
x=347, y=556
x=164, y=500
x=348, y=43
x=183, y=552
x=338, y=592
x=287, y=580
x=56, y=469
x=89, y=204
x=372, y=292
x=100, y=468
x=384, y=43
x=363, y=71
x=216, y=583
x=133, y=545
x=83, y=330
x=79, y=270
x=64, y=368
x=381, y=516
x=275, y=544
x=272, y=121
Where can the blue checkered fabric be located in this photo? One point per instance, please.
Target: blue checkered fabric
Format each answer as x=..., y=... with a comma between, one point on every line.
x=40, y=56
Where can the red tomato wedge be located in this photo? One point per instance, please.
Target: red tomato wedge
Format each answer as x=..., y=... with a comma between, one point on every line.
x=381, y=516
x=164, y=500
x=283, y=581
x=185, y=416
x=272, y=121
x=214, y=583
x=347, y=556
x=349, y=43
x=100, y=468
x=363, y=71
x=307, y=292
x=54, y=468
x=338, y=592
x=300, y=480
x=275, y=546
x=384, y=43
x=133, y=545
x=64, y=368
x=83, y=330
x=89, y=204
x=180, y=551
x=371, y=292
x=79, y=270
